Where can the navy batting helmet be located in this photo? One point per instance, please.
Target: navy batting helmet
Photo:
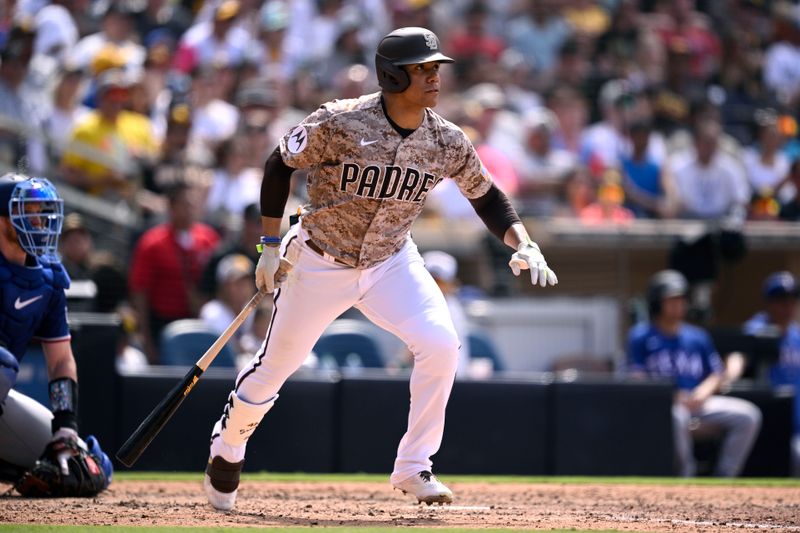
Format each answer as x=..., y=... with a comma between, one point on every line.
x=405, y=46
x=665, y=284
x=39, y=227
x=781, y=284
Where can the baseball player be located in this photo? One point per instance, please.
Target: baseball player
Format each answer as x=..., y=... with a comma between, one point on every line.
x=33, y=305
x=372, y=162
x=666, y=347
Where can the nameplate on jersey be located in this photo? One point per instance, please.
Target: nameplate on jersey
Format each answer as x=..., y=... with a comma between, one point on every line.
x=405, y=184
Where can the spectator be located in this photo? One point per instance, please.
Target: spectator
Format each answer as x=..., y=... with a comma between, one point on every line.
x=443, y=268
x=270, y=51
x=472, y=42
x=538, y=34
x=67, y=111
x=108, y=148
x=781, y=293
x=213, y=42
x=116, y=30
x=213, y=118
x=609, y=206
x=76, y=247
x=542, y=168
x=235, y=287
x=249, y=233
x=56, y=31
x=710, y=183
x=667, y=348
x=166, y=267
x=641, y=176
x=20, y=116
x=589, y=19
x=782, y=59
x=790, y=209
x=766, y=164
x=693, y=30
x=234, y=185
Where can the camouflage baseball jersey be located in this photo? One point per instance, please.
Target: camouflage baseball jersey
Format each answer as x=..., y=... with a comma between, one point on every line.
x=366, y=183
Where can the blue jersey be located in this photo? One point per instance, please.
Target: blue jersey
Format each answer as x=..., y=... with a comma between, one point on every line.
x=787, y=369
x=32, y=304
x=687, y=358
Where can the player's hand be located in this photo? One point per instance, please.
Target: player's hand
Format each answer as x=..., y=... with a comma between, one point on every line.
x=62, y=445
x=272, y=270
x=528, y=257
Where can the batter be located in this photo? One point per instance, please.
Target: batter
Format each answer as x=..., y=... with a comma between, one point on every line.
x=372, y=162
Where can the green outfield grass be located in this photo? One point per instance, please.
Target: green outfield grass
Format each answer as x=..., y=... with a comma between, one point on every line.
x=332, y=478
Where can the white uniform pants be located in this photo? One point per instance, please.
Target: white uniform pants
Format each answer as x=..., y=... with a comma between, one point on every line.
x=398, y=295
x=739, y=421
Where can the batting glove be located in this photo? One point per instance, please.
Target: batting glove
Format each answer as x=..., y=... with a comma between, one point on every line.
x=63, y=453
x=528, y=256
x=267, y=276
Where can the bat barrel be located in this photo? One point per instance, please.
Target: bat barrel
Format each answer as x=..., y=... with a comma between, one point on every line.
x=130, y=452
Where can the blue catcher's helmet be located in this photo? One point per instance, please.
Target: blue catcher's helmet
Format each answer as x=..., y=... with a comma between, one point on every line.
x=36, y=211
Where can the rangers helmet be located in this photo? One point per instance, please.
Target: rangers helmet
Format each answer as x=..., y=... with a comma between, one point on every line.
x=405, y=46
x=36, y=211
x=665, y=284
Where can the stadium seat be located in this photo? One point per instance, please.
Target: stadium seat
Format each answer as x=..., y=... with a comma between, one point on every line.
x=184, y=341
x=482, y=347
x=349, y=343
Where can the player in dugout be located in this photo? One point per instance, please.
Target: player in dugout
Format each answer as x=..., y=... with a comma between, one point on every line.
x=667, y=348
x=40, y=450
x=372, y=162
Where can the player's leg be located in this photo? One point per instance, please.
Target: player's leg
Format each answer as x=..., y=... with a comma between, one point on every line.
x=402, y=297
x=24, y=433
x=741, y=421
x=316, y=293
x=682, y=438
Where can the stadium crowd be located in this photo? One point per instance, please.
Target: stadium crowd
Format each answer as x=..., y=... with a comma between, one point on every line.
x=600, y=111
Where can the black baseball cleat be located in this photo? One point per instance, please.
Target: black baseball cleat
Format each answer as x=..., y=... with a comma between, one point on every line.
x=426, y=488
x=221, y=482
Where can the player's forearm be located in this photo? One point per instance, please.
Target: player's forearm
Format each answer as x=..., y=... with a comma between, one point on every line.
x=271, y=226
x=60, y=362
x=515, y=235
x=275, y=187
x=707, y=387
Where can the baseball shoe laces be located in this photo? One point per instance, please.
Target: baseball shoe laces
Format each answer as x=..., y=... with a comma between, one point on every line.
x=221, y=482
x=426, y=488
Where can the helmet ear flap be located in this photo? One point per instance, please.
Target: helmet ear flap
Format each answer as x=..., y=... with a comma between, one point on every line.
x=391, y=78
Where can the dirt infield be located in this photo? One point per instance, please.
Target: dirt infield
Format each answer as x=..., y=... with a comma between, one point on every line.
x=478, y=505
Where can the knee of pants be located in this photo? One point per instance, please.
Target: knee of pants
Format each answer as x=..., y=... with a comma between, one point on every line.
x=750, y=417
x=9, y=367
x=436, y=352
x=681, y=415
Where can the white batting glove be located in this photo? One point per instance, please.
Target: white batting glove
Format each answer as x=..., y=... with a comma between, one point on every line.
x=63, y=453
x=267, y=267
x=528, y=256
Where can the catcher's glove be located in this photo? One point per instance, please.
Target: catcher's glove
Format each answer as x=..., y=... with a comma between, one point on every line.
x=67, y=468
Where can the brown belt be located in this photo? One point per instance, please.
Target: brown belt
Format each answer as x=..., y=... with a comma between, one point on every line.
x=311, y=244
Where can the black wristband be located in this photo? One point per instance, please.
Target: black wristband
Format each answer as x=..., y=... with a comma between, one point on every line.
x=64, y=403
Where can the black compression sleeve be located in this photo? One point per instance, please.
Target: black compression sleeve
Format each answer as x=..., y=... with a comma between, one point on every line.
x=275, y=185
x=496, y=211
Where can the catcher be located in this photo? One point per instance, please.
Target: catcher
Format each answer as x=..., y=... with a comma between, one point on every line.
x=40, y=452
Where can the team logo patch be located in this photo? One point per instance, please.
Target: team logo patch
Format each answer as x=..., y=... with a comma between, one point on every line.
x=298, y=139
x=431, y=41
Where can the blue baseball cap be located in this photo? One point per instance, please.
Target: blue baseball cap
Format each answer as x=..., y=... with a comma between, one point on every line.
x=779, y=284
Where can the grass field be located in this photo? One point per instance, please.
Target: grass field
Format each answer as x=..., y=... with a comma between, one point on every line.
x=157, y=502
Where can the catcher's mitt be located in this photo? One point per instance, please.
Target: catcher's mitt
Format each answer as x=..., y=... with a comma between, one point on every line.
x=85, y=477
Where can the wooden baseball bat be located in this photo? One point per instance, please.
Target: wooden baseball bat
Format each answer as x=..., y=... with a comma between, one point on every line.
x=140, y=439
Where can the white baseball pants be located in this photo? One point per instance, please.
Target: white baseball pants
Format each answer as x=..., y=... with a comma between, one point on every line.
x=398, y=295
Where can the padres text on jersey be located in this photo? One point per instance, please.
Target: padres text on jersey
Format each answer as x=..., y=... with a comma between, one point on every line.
x=367, y=184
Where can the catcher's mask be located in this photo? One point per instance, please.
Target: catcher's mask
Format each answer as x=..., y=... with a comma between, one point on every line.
x=36, y=211
x=405, y=46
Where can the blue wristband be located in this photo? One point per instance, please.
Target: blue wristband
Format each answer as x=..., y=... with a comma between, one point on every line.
x=267, y=241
